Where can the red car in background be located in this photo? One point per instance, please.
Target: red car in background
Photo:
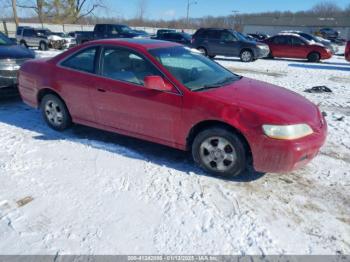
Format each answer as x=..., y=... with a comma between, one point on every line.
x=295, y=46
x=347, y=51
x=167, y=93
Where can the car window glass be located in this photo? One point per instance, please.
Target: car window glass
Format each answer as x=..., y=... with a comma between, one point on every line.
x=191, y=68
x=114, y=30
x=297, y=41
x=281, y=40
x=99, y=28
x=124, y=65
x=83, y=61
x=227, y=37
x=28, y=32
x=213, y=34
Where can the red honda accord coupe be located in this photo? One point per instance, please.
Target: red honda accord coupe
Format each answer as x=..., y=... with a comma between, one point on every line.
x=294, y=46
x=172, y=95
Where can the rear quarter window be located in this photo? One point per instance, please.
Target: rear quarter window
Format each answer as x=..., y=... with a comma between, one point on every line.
x=83, y=61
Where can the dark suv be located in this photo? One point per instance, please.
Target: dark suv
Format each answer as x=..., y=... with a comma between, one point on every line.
x=226, y=42
x=178, y=37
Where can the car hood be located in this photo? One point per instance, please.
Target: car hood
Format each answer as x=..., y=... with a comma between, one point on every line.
x=15, y=52
x=277, y=103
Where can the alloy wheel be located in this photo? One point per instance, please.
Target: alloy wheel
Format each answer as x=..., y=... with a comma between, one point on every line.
x=218, y=154
x=54, y=113
x=246, y=56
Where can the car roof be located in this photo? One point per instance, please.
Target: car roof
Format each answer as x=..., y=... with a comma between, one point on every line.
x=144, y=44
x=289, y=34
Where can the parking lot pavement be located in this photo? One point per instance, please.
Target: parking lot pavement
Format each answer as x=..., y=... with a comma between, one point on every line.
x=92, y=192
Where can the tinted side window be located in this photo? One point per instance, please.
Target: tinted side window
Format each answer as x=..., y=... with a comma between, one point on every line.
x=83, y=61
x=280, y=40
x=19, y=31
x=297, y=41
x=124, y=65
x=100, y=29
x=227, y=37
x=200, y=33
x=28, y=32
x=213, y=34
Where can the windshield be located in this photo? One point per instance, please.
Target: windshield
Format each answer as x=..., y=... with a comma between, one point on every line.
x=192, y=69
x=4, y=40
x=125, y=29
x=238, y=35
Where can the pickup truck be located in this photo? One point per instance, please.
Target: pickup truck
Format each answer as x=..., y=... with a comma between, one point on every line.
x=103, y=31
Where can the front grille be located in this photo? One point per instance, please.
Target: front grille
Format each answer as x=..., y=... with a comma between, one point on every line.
x=8, y=73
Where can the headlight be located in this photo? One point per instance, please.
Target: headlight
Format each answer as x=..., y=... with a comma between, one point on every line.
x=8, y=64
x=287, y=132
x=264, y=47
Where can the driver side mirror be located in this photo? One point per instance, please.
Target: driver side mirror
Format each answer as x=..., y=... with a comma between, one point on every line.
x=157, y=83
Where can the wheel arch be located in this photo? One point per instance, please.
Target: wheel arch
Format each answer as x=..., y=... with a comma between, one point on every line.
x=47, y=91
x=314, y=52
x=197, y=128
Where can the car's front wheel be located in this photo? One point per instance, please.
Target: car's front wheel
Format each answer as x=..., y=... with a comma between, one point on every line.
x=43, y=46
x=314, y=57
x=55, y=112
x=247, y=56
x=220, y=152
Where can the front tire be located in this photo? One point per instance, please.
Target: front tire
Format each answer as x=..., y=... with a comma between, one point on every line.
x=55, y=112
x=219, y=152
x=314, y=57
x=43, y=46
x=246, y=56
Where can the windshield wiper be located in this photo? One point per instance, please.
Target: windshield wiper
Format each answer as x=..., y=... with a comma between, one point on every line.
x=216, y=85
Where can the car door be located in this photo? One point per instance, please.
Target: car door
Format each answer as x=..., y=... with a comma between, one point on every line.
x=122, y=102
x=28, y=36
x=229, y=45
x=74, y=78
x=281, y=46
x=212, y=42
x=300, y=49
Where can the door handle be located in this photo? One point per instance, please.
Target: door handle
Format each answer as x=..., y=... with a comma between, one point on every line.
x=101, y=90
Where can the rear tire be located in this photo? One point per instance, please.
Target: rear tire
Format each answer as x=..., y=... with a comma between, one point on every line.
x=246, y=56
x=24, y=44
x=314, y=57
x=203, y=50
x=219, y=152
x=55, y=112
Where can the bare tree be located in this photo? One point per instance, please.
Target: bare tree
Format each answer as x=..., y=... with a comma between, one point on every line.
x=38, y=6
x=78, y=9
x=141, y=9
x=14, y=11
x=327, y=8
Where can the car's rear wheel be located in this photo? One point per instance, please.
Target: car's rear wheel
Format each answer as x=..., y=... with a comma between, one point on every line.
x=55, y=112
x=314, y=57
x=43, y=46
x=24, y=44
x=220, y=152
x=203, y=51
x=247, y=56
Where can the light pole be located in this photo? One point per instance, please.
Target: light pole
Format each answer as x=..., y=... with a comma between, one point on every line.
x=235, y=12
x=189, y=3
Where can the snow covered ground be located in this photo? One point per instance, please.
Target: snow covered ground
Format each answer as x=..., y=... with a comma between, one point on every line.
x=86, y=191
